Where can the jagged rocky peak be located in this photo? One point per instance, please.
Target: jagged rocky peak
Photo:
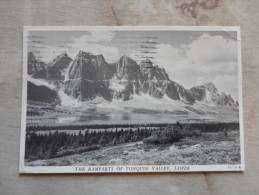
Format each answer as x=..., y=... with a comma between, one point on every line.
x=88, y=77
x=146, y=64
x=36, y=67
x=83, y=53
x=129, y=75
x=151, y=72
x=198, y=92
x=107, y=70
x=91, y=76
x=210, y=87
x=226, y=100
x=31, y=57
x=96, y=60
x=91, y=67
x=209, y=94
x=128, y=69
x=61, y=58
x=88, y=55
x=83, y=67
x=177, y=92
x=147, y=69
x=37, y=93
x=157, y=84
x=57, y=67
x=100, y=59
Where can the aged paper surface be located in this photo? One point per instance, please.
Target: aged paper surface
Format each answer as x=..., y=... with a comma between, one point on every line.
x=15, y=14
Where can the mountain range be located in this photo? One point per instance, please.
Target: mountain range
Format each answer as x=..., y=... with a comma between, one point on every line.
x=89, y=76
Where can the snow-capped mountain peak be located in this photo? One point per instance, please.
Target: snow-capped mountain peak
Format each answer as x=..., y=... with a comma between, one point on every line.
x=89, y=76
x=208, y=93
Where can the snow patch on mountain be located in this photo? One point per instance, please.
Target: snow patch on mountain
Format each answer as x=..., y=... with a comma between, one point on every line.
x=40, y=82
x=66, y=74
x=91, y=83
x=209, y=97
x=145, y=101
x=68, y=101
x=114, y=84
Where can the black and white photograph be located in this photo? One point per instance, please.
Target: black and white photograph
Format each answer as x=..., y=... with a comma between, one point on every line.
x=131, y=99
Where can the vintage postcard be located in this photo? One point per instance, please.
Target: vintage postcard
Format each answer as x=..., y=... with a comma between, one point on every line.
x=131, y=99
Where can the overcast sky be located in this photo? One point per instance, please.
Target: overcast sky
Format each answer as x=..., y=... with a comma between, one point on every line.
x=190, y=58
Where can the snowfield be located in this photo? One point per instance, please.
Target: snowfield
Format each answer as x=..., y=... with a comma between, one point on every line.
x=141, y=107
x=68, y=101
x=40, y=82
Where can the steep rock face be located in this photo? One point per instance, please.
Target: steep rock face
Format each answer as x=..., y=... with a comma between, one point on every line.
x=209, y=94
x=154, y=79
x=106, y=69
x=211, y=87
x=171, y=89
x=127, y=69
x=151, y=72
x=157, y=84
x=154, y=89
x=176, y=92
x=42, y=94
x=91, y=76
x=88, y=76
x=226, y=100
x=130, y=76
x=130, y=88
x=198, y=92
x=87, y=90
x=36, y=68
x=91, y=67
x=56, y=69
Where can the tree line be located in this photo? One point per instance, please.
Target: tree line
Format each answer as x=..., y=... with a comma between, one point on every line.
x=212, y=127
x=45, y=146
x=39, y=146
x=92, y=126
x=205, y=127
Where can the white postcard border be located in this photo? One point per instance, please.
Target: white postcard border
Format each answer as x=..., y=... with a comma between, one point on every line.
x=127, y=168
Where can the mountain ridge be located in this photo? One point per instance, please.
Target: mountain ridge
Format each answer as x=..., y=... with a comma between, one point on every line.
x=56, y=69
x=90, y=76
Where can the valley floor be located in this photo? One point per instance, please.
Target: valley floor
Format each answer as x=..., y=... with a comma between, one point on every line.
x=206, y=149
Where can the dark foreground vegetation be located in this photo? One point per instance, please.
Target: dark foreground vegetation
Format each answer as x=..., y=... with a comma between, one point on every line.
x=93, y=126
x=58, y=144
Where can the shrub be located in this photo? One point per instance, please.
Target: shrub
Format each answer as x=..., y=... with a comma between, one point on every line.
x=76, y=151
x=168, y=135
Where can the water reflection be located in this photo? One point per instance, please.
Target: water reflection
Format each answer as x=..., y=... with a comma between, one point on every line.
x=93, y=117
x=119, y=117
x=125, y=116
